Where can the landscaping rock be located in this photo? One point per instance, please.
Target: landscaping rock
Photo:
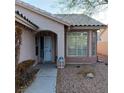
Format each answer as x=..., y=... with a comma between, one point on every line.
x=71, y=79
x=90, y=75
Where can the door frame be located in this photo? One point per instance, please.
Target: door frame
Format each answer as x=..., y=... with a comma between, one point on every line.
x=54, y=46
x=41, y=59
x=50, y=47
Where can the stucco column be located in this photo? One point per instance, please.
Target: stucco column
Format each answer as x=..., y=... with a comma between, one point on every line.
x=61, y=49
x=90, y=43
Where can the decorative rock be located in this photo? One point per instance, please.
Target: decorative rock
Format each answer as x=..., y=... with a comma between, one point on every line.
x=90, y=75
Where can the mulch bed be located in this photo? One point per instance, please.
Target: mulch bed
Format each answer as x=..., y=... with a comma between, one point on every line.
x=25, y=74
x=71, y=80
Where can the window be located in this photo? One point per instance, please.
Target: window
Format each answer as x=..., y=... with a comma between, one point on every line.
x=77, y=43
x=94, y=42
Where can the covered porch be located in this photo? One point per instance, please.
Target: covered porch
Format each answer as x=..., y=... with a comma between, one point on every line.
x=49, y=47
x=46, y=46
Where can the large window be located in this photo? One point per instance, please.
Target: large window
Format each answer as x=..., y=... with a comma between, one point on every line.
x=77, y=43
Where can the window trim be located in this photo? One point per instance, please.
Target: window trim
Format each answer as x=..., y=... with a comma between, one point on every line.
x=87, y=45
x=95, y=44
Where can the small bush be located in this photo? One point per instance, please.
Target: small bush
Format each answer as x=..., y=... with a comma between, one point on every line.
x=25, y=74
x=24, y=65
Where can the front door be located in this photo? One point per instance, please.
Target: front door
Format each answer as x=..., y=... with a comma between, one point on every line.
x=47, y=49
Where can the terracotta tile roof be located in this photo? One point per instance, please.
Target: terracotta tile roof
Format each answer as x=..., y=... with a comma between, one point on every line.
x=25, y=18
x=79, y=20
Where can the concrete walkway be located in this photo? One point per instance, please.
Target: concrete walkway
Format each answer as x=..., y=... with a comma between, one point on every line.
x=45, y=81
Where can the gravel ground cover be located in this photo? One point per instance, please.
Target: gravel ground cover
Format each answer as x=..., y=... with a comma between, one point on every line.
x=71, y=80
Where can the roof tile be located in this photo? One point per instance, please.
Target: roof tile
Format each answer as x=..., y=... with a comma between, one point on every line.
x=79, y=19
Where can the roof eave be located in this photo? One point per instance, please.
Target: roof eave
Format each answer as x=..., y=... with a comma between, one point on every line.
x=88, y=27
x=24, y=22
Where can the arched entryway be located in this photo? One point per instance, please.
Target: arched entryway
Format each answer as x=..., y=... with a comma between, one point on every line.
x=46, y=46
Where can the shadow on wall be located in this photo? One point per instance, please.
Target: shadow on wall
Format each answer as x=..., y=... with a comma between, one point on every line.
x=102, y=52
x=102, y=48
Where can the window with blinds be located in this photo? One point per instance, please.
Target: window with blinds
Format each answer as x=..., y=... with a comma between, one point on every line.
x=77, y=43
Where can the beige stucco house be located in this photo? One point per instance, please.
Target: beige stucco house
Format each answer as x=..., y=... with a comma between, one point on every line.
x=56, y=38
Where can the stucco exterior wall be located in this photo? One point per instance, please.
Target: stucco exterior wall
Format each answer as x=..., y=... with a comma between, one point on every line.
x=27, y=48
x=102, y=48
x=81, y=60
x=102, y=45
x=45, y=23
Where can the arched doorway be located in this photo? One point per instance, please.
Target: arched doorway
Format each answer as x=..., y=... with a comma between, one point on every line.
x=46, y=46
